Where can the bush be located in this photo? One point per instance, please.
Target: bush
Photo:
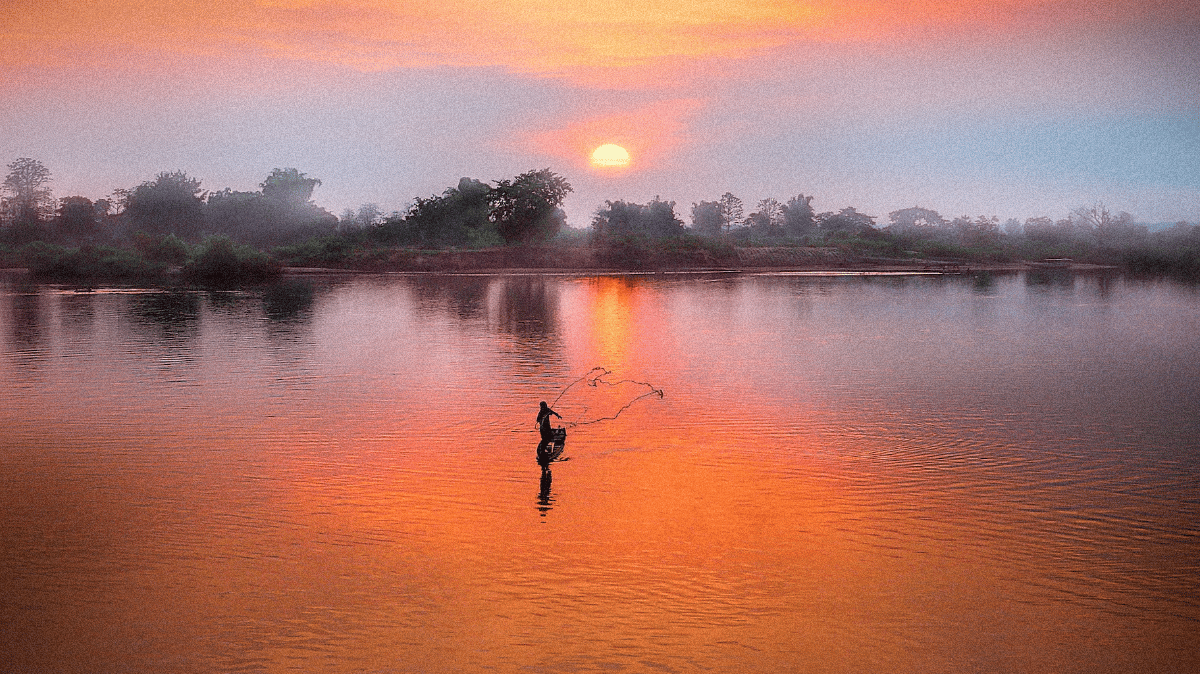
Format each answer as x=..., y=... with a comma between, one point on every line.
x=700, y=250
x=51, y=261
x=220, y=261
x=318, y=251
x=637, y=252
x=169, y=249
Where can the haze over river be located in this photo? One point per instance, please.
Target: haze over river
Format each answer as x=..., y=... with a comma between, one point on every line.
x=844, y=474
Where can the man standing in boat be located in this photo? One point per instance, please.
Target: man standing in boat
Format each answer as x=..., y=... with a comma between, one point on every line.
x=543, y=420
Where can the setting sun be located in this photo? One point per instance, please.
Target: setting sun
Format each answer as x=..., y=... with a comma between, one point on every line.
x=610, y=155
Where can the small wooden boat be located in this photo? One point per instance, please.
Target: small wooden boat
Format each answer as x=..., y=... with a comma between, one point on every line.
x=550, y=448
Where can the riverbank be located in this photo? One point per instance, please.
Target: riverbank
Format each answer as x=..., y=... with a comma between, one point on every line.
x=594, y=260
x=587, y=260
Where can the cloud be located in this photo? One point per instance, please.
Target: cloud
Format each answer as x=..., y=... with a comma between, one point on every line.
x=592, y=40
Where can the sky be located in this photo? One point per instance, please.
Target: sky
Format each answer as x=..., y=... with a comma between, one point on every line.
x=1012, y=108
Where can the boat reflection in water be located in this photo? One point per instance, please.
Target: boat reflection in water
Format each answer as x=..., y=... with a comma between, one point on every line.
x=549, y=450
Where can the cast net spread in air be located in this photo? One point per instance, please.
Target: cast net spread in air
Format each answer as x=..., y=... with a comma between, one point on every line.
x=594, y=398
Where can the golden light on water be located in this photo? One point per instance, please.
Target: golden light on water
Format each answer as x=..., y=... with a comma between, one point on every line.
x=610, y=155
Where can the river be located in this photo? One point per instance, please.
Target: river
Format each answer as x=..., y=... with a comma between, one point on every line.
x=843, y=473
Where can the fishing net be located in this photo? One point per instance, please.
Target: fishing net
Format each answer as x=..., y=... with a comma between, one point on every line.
x=596, y=397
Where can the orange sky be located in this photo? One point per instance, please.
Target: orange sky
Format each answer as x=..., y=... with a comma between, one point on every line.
x=536, y=36
x=876, y=103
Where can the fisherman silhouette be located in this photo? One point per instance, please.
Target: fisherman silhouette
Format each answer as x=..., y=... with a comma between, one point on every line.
x=553, y=439
x=543, y=420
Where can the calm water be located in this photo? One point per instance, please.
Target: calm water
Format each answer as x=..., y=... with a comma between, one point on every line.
x=845, y=474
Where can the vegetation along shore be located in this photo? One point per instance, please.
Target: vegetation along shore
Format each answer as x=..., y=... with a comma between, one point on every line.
x=171, y=230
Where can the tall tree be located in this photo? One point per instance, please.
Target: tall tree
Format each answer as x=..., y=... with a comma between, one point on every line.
x=77, y=217
x=458, y=217
x=245, y=216
x=708, y=218
x=260, y=220
x=1108, y=228
x=1040, y=228
x=656, y=219
x=367, y=215
x=171, y=203
x=731, y=210
x=768, y=219
x=798, y=216
x=915, y=218
x=289, y=186
x=526, y=208
x=28, y=185
x=847, y=221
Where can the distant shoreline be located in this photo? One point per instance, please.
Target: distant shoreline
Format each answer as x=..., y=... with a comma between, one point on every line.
x=584, y=262
x=550, y=260
x=948, y=268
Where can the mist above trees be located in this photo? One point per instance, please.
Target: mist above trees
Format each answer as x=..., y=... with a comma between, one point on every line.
x=168, y=220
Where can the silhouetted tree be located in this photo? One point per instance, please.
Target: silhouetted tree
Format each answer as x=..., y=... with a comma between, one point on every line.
x=708, y=218
x=798, y=216
x=915, y=219
x=29, y=199
x=526, y=209
x=731, y=210
x=77, y=218
x=289, y=186
x=983, y=229
x=656, y=219
x=281, y=213
x=247, y=216
x=847, y=221
x=171, y=203
x=1108, y=230
x=367, y=215
x=460, y=216
x=1040, y=228
x=768, y=219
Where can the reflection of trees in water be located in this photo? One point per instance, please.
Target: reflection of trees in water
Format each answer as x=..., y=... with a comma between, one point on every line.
x=1106, y=283
x=1063, y=279
x=288, y=301
x=225, y=300
x=173, y=316
x=78, y=310
x=528, y=312
x=527, y=307
x=522, y=310
x=463, y=296
x=983, y=282
x=1099, y=283
x=27, y=324
x=288, y=307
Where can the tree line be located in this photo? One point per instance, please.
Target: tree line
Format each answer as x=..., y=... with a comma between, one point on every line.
x=1087, y=234
x=518, y=210
x=169, y=219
